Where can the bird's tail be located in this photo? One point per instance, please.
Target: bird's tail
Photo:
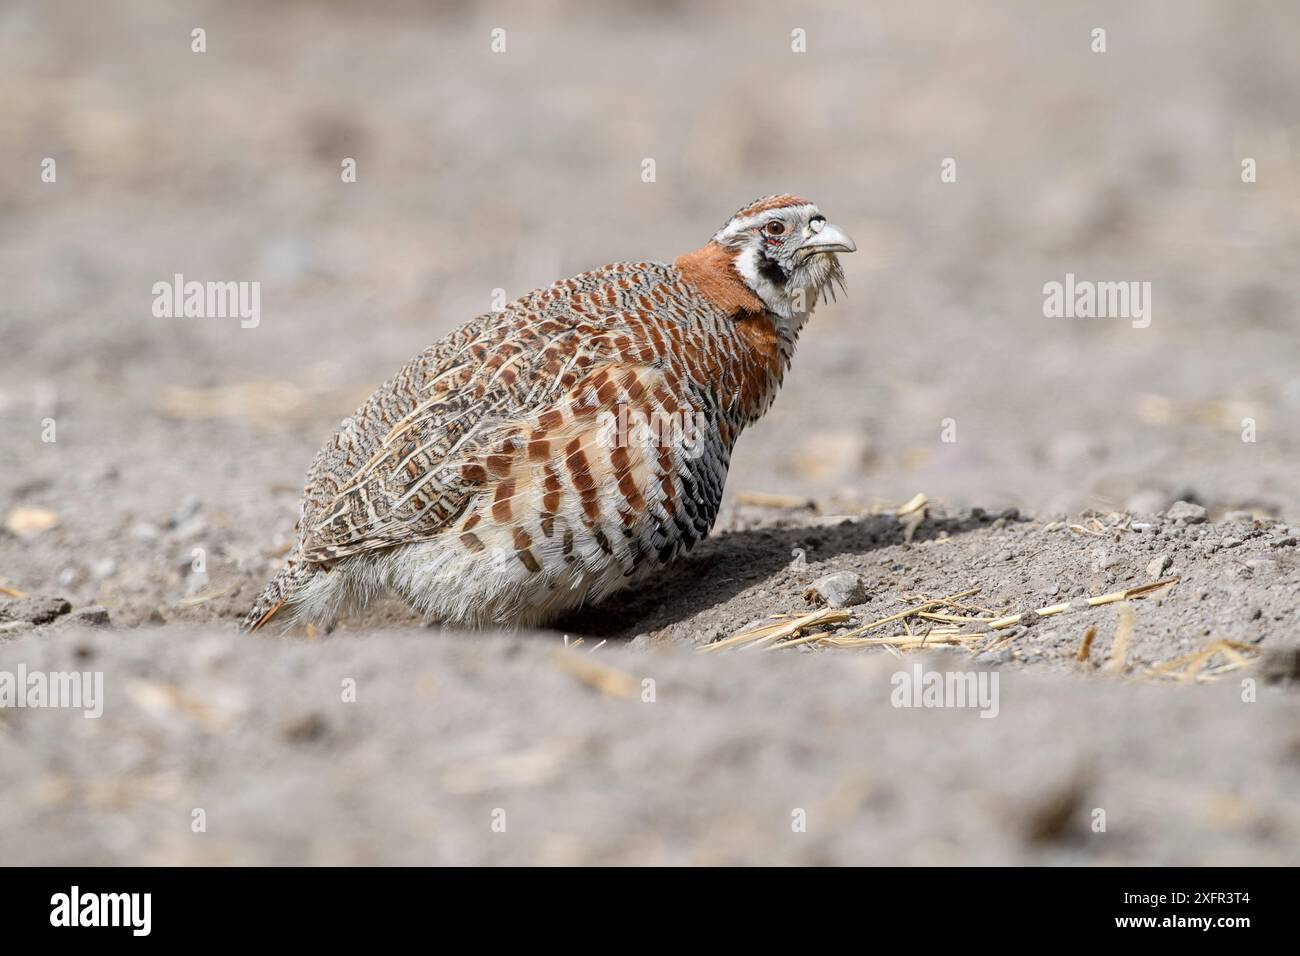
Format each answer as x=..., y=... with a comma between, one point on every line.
x=278, y=593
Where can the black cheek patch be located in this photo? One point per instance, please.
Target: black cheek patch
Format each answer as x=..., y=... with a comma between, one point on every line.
x=771, y=270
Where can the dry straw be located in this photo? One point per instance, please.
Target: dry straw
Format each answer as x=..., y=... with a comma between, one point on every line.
x=945, y=621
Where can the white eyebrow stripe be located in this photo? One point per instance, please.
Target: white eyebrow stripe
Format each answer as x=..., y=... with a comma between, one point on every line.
x=751, y=222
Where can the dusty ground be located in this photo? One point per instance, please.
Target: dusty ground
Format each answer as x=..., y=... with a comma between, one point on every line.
x=179, y=445
x=446, y=730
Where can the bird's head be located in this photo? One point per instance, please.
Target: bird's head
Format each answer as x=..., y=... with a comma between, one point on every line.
x=786, y=253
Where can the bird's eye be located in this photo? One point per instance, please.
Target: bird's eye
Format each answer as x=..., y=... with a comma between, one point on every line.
x=774, y=228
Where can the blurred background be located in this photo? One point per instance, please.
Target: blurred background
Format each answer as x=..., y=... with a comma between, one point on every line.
x=479, y=170
x=171, y=485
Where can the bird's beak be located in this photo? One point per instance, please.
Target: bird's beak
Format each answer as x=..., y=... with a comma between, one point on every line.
x=830, y=238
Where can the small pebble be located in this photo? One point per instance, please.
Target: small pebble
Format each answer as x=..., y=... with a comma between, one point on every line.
x=843, y=589
x=1159, y=565
x=93, y=616
x=1106, y=561
x=1186, y=512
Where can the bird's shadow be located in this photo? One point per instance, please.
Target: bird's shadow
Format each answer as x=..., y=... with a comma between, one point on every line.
x=726, y=564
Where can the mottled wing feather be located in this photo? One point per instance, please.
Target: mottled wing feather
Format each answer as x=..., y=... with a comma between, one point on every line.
x=408, y=462
x=460, y=420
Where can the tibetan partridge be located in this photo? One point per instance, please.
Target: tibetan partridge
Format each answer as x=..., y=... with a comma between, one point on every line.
x=543, y=457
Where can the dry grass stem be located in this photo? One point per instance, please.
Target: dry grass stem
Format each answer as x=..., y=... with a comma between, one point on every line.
x=777, y=630
x=610, y=681
x=917, y=502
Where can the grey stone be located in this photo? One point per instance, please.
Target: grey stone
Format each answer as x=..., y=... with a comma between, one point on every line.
x=842, y=589
x=94, y=616
x=1106, y=561
x=1186, y=512
x=34, y=609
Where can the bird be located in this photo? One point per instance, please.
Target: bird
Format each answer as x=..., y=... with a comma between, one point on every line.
x=544, y=456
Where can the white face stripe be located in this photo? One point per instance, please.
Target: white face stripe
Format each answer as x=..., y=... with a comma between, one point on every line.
x=739, y=226
x=775, y=297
